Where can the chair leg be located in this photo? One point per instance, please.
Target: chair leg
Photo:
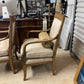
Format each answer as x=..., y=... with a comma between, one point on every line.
x=25, y=71
x=53, y=68
x=12, y=67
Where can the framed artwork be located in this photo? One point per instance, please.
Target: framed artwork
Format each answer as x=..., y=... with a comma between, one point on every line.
x=79, y=77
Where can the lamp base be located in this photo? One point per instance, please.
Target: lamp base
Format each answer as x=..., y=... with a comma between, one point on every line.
x=5, y=13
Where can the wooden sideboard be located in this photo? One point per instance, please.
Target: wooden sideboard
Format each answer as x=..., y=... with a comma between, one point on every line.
x=23, y=26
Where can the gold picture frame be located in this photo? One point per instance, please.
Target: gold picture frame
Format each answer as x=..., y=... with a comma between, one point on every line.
x=76, y=78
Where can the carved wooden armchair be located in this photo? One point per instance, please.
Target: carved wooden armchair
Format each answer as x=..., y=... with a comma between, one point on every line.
x=7, y=44
x=32, y=51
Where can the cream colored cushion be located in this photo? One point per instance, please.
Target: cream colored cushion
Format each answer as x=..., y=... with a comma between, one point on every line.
x=36, y=50
x=4, y=58
x=56, y=25
x=29, y=61
x=4, y=46
x=45, y=36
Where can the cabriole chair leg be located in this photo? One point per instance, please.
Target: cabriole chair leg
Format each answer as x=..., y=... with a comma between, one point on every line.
x=12, y=67
x=24, y=69
x=53, y=68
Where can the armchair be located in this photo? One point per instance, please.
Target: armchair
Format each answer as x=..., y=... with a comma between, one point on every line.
x=7, y=44
x=33, y=53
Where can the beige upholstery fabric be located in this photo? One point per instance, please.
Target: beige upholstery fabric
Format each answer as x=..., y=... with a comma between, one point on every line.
x=45, y=36
x=36, y=50
x=29, y=61
x=4, y=58
x=4, y=46
x=55, y=28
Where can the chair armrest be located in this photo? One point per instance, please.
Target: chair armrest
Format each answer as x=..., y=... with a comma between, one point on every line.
x=4, y=31
x=1, y=39
x=38, y=41
x=39, y=30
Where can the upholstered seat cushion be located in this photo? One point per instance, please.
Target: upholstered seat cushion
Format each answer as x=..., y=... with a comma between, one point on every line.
x=36, y=50
x=4, y=46
x=45, y=36
x=4, y=58
x=31, y=61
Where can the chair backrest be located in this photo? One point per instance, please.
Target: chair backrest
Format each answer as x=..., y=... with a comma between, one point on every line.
x=56, y=29
x=12, y=28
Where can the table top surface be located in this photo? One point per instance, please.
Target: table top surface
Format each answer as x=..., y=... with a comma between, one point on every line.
x=18, y=19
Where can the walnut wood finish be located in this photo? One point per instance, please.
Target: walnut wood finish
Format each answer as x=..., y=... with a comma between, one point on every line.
x=23, y=27
x=39, y=30
x=61, y=18
x=12, y=41
x=8, y=31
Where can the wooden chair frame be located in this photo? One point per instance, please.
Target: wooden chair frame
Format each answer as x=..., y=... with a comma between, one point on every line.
x=58, y=16
x=78, y=70
x=9, y=31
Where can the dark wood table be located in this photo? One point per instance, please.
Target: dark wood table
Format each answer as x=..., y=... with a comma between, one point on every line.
x=23, y=26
